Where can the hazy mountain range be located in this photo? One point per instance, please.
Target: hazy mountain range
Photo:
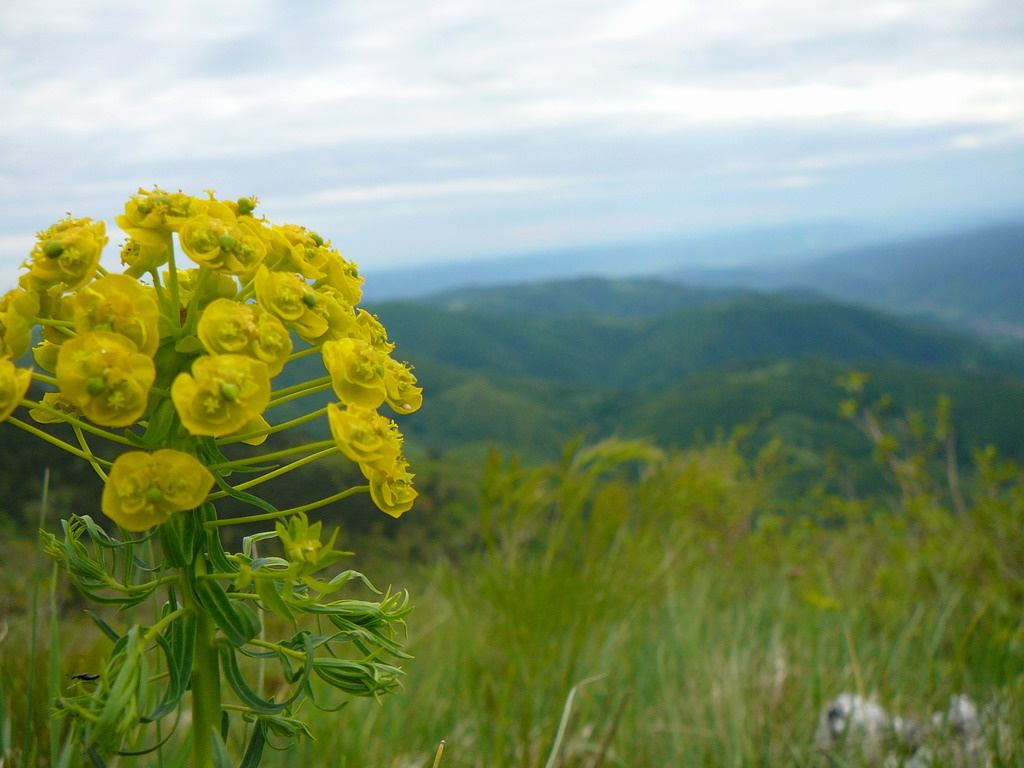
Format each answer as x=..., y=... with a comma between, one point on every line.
x=971, y=279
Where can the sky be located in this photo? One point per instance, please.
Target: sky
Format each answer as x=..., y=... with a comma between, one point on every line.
x=412, y=133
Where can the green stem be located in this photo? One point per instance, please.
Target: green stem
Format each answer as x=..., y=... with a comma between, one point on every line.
x=78, y=423
x=276, y=473
x=157, y=628
x=317, y=446
x=301, y=386
x=272, y=430
x=172, y=284
x=302, y=353
x=42, y=377
x=58, y=442
x=286, y=512
x=85, y=447
x=297, y=395
x=162, y=298
x=205, y=685
x=246, y=292
x=329, y=500
x=300, y=655
x=192, y=314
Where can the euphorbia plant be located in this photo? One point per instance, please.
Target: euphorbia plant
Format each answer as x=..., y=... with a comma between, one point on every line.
x=168, y=363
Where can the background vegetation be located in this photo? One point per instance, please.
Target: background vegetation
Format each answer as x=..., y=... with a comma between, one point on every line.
x=696, y=529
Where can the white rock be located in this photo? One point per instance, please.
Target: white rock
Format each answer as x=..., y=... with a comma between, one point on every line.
x=855, y=722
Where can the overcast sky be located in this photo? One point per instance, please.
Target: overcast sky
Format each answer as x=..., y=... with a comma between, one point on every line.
x=411, y=132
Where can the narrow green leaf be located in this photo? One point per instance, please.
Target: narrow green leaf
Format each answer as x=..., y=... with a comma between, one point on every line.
x=221, y=758
x=229, y=666
x=266, y=588
x=254, y=749
x=242, y=496
x=105, y=628
x=171, y=543
x=177, y=644
x=215, y=549
x=234, y=622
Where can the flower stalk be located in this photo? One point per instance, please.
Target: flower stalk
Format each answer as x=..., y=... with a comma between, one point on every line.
x=167, y=361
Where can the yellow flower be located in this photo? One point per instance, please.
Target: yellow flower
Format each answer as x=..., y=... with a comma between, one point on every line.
x=45, y=354
x=145, y=250
x=67, y=254
x=288, y=249
x=57, y=402
x=402, y=393
x=371, y=329
x=145, y=489
x=222, y=394
x=157, y=209
x=340, y=274
x=228, y=327
x=259, y=424
x=18, y=310
x=391, y=489
x=290, y=298
x=336, y=312
x=218, y=240
x=13, y=386
x=357, y=372
x=105, y=375
x=365, y=436
x=120, y=304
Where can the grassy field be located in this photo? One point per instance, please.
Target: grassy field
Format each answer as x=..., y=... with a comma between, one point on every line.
x=623, y=607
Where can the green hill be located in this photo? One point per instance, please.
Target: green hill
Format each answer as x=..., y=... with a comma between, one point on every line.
x=586, y=296
x=644, y=353
x=526, y=368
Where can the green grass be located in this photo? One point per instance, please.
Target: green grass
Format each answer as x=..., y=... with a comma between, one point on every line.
x=720, y=644
x=625, y=608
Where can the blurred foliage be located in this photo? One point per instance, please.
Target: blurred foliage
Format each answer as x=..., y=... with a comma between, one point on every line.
x=734, y=541
x=690, y=614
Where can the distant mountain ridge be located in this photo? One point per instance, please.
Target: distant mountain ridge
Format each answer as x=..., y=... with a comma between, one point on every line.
x=778, y=245
x=582, y=296
x=972, y=279
x=498, y=329
x=529, y=366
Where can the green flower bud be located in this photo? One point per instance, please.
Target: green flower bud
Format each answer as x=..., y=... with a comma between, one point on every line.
x=230, y=391
x=227, y=242
x=53, y=249
x=96, y=386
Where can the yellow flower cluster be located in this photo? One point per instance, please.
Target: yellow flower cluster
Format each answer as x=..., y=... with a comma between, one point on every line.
x=143, y=489
x=202, y=343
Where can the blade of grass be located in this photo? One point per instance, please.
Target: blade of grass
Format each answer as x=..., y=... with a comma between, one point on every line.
x=437, y=757
x=563, y=724
x=54, y=689
x=35, y=622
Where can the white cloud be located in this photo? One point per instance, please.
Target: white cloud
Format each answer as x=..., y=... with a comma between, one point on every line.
x=456, y=187
x=389, y=104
